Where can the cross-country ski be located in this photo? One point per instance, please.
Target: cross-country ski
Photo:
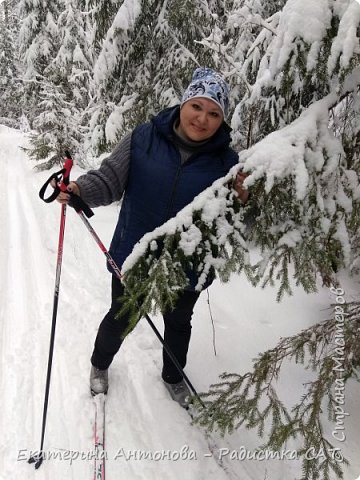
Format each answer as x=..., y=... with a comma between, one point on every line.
x=99, y=437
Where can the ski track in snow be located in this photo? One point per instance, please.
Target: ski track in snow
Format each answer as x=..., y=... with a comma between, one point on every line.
x=141, y=419
x=23, y=279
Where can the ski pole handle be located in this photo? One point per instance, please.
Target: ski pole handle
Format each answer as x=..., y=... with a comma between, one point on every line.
x=75, y=201
x=67, y=169
x=57, y=178
x=62, y=180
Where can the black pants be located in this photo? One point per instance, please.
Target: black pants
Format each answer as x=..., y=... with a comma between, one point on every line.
x=176, y=334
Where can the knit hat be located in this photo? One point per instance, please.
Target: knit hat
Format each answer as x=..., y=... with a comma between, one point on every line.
x=207, y=83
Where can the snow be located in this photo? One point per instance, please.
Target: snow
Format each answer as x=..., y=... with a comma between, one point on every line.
x=312, y=31
x=141, y=418
x=297, y=33
x=114, y=123
x=286, y=152
x=318, y=17
x=342, y=235
x=290, y=238
x=346, y=42
x=124, y=21
x=190, y=240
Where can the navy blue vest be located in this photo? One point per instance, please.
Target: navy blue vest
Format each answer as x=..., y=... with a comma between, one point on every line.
x=159, y=186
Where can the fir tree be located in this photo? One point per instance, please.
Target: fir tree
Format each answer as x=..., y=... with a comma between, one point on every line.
x=101, y=14
x=64, y=93
x=9, y=65
x=38, y=44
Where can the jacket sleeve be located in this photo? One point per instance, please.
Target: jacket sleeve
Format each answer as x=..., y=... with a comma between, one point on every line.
x=107, y=184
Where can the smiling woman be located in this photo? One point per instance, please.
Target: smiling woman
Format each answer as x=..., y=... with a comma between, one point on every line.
x=158, y=169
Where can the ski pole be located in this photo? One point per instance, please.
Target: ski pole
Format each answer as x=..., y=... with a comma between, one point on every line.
x=65, y=172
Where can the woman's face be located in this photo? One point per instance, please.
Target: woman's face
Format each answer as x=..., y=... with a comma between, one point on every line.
x=200, y=118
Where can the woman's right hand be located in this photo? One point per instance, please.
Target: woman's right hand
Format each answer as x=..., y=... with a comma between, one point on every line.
x=64, y=197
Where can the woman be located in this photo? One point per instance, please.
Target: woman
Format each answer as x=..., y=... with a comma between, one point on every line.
x=158, y=169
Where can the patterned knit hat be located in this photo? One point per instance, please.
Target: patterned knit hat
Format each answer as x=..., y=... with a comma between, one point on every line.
x=207, y=83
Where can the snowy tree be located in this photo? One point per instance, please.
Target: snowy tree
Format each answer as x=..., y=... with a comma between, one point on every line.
x=64, y=93
x=38, y=44
x=146, y=60
x=74, y=58
x=101, y=14
x=9, y=64
x=55, y=131
x=299, y=67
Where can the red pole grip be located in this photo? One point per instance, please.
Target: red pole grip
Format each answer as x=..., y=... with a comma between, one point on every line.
x=66, y=176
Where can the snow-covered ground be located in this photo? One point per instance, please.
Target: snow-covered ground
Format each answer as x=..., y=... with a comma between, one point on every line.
x=141, y=418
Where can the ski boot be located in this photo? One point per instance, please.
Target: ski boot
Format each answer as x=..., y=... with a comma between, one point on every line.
x=180, y=393
x=99, y=381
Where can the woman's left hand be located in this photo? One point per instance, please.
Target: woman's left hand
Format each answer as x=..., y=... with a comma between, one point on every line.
x=238, y=186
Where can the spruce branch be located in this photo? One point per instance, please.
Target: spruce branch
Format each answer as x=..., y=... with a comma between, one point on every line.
x=251, y=399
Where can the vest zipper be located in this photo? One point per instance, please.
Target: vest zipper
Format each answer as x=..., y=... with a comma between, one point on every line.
x=170, y=204
x=176, y=181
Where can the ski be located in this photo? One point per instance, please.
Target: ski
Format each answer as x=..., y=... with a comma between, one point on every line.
x=99, y=437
